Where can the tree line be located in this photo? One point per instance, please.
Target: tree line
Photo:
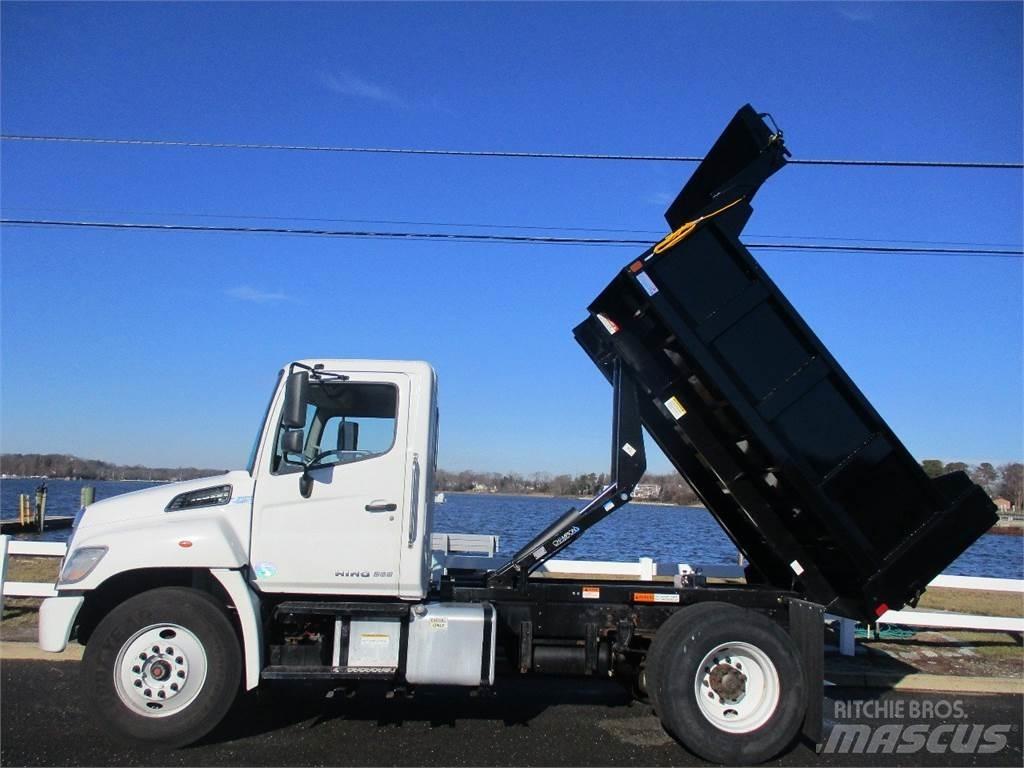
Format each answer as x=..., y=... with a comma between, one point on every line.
x=61, y=465
x=1006, y=480
x=672, y=489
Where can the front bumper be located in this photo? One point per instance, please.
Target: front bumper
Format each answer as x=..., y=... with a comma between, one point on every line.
x=56, y=619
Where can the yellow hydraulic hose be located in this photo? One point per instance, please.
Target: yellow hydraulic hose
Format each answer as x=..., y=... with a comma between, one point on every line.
x=684, y=231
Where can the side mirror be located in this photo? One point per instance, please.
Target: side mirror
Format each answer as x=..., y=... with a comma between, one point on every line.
x=292, y=441
x=348, y=435
x=295, y=396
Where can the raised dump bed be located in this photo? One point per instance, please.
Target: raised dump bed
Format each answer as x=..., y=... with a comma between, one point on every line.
x=786, y=452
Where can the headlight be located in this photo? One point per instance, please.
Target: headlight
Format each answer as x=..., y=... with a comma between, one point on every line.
x=204, y=497
x=81, y=563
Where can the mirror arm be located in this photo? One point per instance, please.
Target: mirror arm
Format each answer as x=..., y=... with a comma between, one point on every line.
x=306, y=480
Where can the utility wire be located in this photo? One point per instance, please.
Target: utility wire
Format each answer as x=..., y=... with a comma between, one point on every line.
x=490, y=153
x=404, y=222
x=655, y=234
x=495, y=238
x=360, y=234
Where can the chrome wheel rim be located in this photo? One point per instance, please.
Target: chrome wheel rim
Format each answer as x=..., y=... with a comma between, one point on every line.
x=737, y=687
x=160, y=670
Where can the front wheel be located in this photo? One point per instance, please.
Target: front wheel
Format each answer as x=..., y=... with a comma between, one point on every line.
x=731, y=686
x=163, y=667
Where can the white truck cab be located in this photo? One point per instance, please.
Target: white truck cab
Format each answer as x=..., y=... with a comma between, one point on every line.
x=337, y=500
x=368, y=452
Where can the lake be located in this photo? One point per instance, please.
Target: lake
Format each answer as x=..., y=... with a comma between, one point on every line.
x=665, y=533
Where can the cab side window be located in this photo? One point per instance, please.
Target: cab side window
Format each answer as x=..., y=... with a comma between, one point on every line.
x=346, y=422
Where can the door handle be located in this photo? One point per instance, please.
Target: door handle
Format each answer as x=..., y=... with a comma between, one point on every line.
x=381, y=506
x=414, y=512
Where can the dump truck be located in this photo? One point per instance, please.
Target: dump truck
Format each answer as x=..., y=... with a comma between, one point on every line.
x=314, y=563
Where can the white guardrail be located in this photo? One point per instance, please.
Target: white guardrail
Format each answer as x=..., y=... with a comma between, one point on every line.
x=474, y=550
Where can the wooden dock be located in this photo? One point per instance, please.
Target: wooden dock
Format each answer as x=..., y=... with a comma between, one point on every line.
x=32, y=518
x=50, y=523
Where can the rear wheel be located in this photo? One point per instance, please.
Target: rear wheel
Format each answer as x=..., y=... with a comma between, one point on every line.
x=163, y=667
x=664, y=641
x=731, y=687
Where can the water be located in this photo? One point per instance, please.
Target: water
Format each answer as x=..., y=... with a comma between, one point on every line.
x=669, y=534
x=62, y=497
x=666, y=533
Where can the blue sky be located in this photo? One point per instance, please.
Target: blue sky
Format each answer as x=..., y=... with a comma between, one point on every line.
x=161, y=348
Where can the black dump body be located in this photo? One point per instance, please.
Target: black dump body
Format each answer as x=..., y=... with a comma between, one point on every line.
x=783, y=448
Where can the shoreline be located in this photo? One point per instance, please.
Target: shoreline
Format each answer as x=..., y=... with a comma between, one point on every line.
x=504, y=494
x=1006, y=528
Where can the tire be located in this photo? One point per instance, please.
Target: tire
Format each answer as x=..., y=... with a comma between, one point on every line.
x=663, y=642
x=164, y=667
x=730, y=685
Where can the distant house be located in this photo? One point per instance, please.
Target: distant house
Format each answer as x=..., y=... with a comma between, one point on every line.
x=647, y=491
x=1003, y=506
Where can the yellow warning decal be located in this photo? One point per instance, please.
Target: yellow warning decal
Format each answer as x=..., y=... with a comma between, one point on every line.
x=675, y=408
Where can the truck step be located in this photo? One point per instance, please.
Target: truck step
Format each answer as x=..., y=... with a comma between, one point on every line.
x=282, y=672
x=329, y=608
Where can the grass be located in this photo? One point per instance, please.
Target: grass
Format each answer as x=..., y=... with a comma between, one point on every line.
x=19, y=617
x=1001, y=645
x=975, y=602
x=22, y=568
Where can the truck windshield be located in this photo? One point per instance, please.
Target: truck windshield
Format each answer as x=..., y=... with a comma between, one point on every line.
x=250, y=464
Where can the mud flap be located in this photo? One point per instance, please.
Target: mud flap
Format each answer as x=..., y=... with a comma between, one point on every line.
x=807, y=628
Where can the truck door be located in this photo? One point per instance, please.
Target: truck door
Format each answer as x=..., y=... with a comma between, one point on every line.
x=345, y=538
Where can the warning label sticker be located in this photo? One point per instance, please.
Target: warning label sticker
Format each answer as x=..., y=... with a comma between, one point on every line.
x=591, y=593
x=655, y=597
x=675, y=408
x=644, y=279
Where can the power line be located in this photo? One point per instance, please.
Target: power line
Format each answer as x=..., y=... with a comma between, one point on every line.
x=493, y=238
x=489, y=152
x=405, y=222
x=825, y=247
x=655, y=234
x=359, y=234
